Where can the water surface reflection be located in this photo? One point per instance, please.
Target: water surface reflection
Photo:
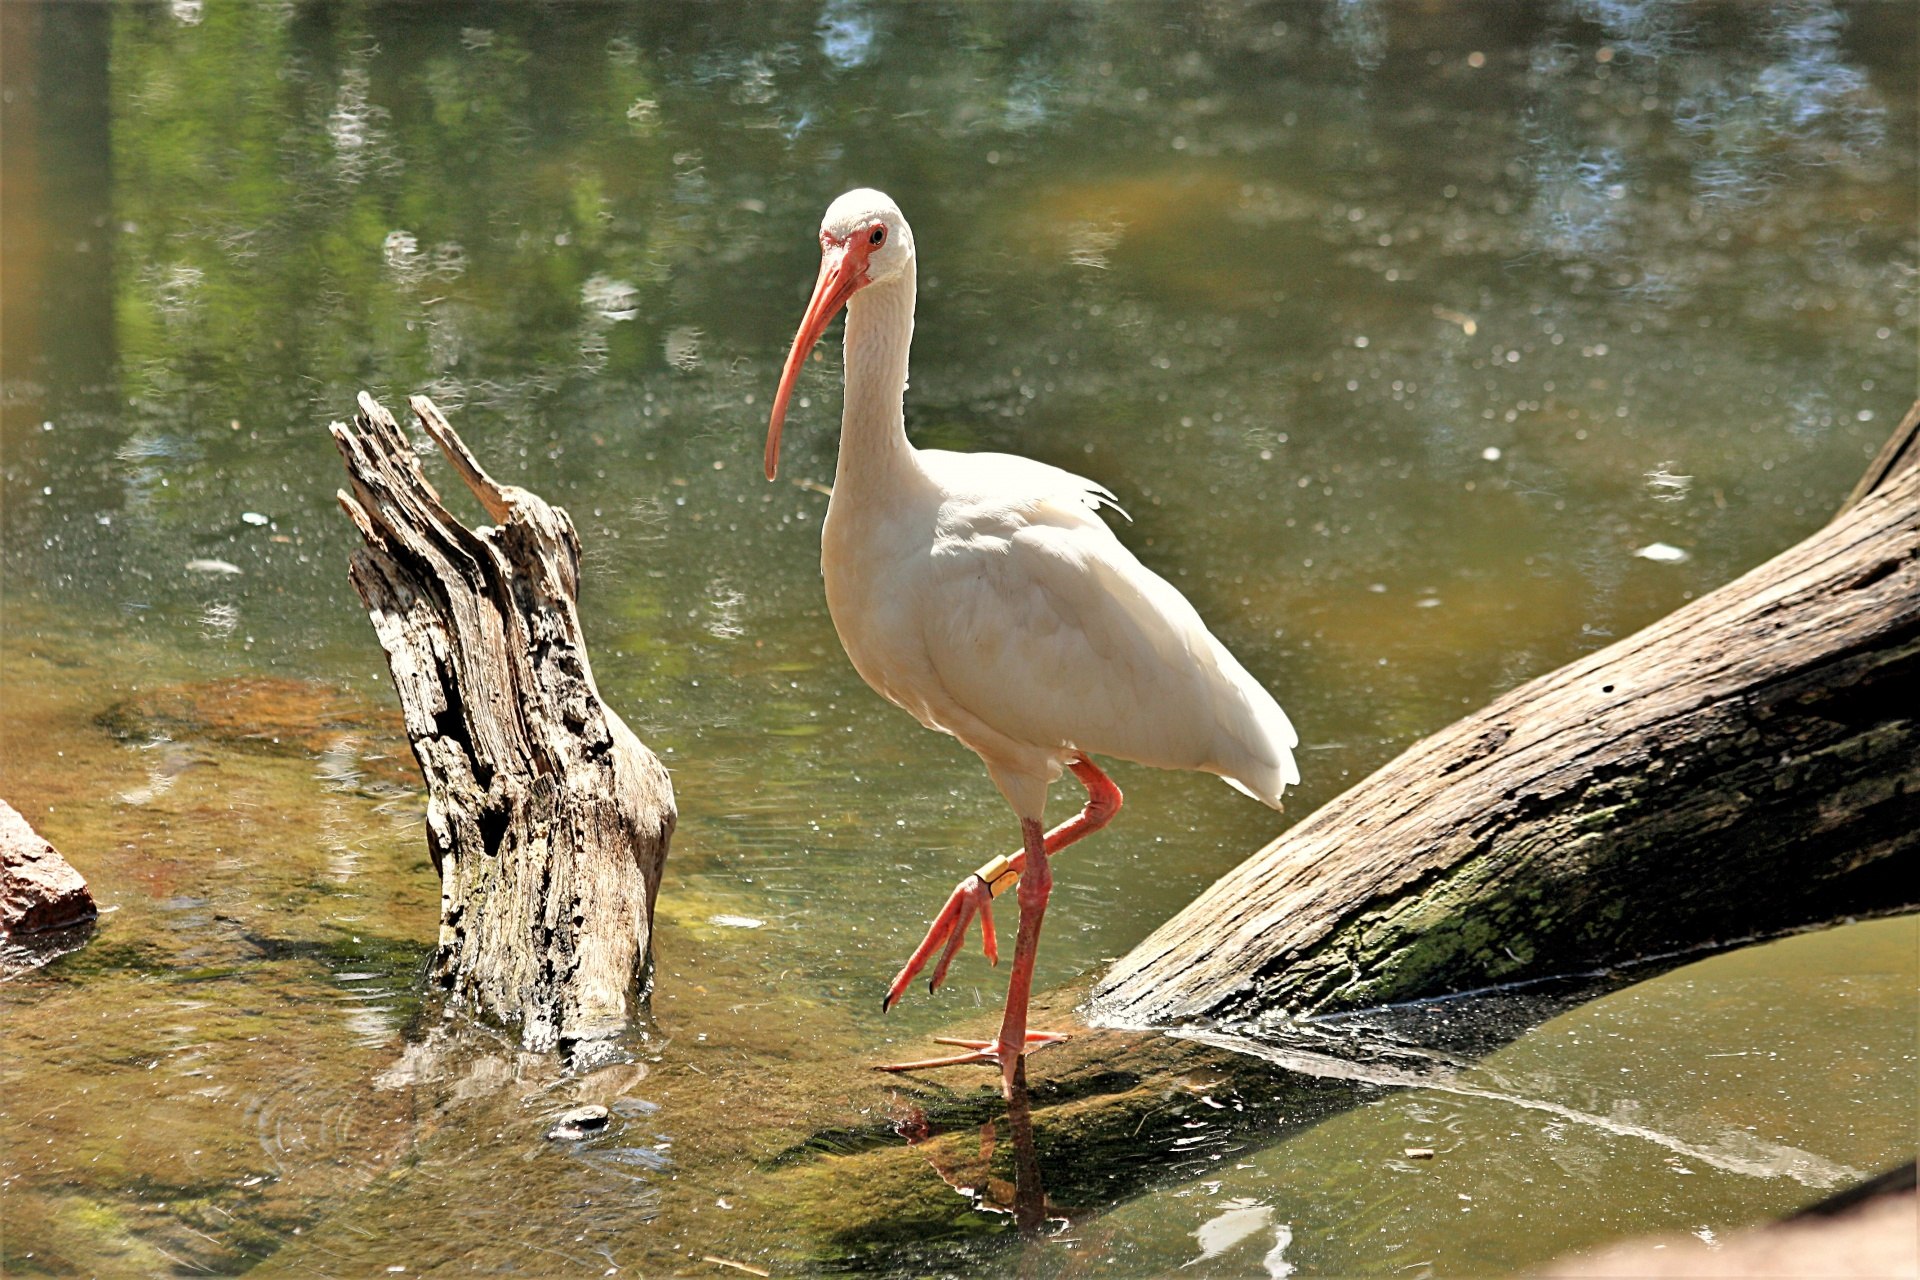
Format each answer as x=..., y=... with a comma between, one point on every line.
x=1397, y=330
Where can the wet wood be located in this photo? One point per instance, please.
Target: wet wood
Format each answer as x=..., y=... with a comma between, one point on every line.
x=547, y=819
x=1748, y=765
x=1102, y=1117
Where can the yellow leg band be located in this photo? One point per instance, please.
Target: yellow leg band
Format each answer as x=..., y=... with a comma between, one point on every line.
x=999, y=876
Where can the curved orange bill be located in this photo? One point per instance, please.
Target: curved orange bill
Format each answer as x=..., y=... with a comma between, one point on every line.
x=840, y=276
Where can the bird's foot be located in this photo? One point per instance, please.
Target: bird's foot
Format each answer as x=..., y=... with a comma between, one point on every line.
x=989, y=1052
x=972, y=896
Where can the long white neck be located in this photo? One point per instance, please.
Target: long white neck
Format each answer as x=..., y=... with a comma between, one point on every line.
x=873, y=423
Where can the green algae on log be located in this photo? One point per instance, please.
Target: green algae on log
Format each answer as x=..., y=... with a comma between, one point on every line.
x=1748, y=765
x=547, y=819
x=926, y=1187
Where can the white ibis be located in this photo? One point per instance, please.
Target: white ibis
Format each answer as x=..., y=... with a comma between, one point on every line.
x=983, y=594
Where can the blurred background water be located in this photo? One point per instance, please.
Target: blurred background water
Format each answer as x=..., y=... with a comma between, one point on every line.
x=1428, y=346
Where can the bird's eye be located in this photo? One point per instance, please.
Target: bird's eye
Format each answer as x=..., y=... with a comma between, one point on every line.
x=879, y=236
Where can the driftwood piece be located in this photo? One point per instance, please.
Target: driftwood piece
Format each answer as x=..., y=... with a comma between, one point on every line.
x=1747, y=765
x=547, y=819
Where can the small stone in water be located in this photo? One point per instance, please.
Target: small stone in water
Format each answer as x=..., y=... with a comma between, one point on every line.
x=576, y=1123
x=735, y=922
x=254, y=517
x=1661, y=553
x=1419, y=1153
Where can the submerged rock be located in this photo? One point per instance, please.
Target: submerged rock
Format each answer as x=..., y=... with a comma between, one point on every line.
x=578, y=1123
x=359, y=746
x=39, y=889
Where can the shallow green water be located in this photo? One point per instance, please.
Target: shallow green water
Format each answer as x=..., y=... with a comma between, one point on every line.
x=1398, y=332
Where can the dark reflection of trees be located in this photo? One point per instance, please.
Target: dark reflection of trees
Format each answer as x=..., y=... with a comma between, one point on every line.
x=1158, y=225
x=56, y=271
x=524, y=156
x=1675, y=105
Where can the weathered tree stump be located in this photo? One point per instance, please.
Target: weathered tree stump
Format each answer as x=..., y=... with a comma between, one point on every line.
x=1748, y=765
x=547, y=819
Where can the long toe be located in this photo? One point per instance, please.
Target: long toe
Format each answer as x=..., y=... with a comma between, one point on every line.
x=945, y=935
x=978, y=1052
x=990, y=1057
x=1035, y=1040
x=937, y=934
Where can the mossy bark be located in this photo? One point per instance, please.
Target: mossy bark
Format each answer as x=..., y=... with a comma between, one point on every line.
x=1748, y=765
x=547, y=819
x=1107, y=1114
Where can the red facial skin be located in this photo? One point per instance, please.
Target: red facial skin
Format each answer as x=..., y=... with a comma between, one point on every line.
x=843, y=272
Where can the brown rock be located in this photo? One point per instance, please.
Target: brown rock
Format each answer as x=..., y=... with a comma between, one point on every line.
x=39, y=889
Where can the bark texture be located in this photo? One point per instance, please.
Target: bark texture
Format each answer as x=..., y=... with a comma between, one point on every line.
x=1745, y=766
x=547, y=819
x=39, y=889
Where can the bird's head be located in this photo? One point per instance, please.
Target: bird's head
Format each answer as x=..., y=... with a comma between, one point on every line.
x=868, y=228
x=864, y=240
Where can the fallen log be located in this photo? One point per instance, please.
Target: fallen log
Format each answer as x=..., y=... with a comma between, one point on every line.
x=1748, y=765
x=547, y=819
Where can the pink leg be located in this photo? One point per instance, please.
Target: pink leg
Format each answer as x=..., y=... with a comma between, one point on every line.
x=1014, y=1039
x=975, y=895
x=1036, y=885
x=1033, y=866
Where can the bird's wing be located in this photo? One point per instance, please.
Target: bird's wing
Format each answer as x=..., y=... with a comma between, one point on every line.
x=983, y=481
x=1043, y=626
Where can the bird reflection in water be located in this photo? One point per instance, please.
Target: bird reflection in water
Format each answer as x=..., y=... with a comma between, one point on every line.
x=1024, y=1199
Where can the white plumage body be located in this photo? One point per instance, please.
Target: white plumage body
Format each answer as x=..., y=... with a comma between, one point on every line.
x=985, y=595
